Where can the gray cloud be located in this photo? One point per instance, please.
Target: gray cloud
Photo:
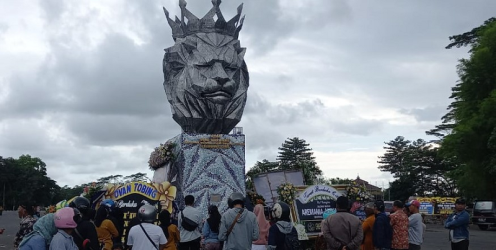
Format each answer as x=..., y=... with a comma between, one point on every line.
x=430, y=113
x=340, y=74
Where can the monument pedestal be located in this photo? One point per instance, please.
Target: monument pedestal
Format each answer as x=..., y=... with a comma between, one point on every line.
x=209, y=167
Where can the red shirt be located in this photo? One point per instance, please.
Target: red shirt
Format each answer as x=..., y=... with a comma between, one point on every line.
x=399, y=222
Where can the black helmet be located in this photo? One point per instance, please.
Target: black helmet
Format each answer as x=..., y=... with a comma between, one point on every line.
x=81, y=203
x=460, y=201
x=237, y=198
x=281, y=211
x=147, y=213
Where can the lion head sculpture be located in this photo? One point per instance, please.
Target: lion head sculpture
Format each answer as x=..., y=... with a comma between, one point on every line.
x=205, y=75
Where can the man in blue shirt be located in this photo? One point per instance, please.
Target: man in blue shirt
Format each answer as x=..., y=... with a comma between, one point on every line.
x=457, y=223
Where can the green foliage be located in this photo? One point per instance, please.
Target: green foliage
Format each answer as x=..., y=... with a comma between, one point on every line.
x=419, y=169
x=25, y=180
x=471, y=139
x=295, y=154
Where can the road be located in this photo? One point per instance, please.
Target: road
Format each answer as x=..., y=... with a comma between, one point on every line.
x=10, y=221
x=436, y=237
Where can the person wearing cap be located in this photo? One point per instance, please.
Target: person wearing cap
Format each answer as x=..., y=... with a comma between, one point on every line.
x=415, y=228
x=342, y=230
x=368, y=226
x=26, y=213
x=457, y=223
x=399, y=223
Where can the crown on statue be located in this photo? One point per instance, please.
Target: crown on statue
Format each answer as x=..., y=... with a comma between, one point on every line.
x=207, y=24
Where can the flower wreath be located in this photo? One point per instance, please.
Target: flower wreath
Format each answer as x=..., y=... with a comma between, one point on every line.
x=286, y=192
x=256, y=198
x=161, y=155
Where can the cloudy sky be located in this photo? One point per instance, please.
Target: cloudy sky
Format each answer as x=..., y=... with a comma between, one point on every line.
x=81, y=81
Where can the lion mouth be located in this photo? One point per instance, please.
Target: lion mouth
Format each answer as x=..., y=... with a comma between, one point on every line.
x=217, y=96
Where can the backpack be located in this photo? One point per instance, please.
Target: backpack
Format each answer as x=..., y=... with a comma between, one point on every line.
x=291, y=241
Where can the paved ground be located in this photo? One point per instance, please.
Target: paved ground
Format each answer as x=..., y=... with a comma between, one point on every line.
x=10, y=221
x=436, y=237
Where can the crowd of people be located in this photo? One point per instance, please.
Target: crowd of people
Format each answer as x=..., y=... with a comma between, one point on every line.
x=80, y=227
x=403, y=229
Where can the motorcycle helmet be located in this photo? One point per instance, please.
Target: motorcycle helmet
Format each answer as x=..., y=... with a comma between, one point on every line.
x=147, y=213
x=109, y=204
x=237, y=198
x=81, y=203
x=67, y=217
x=281, y=211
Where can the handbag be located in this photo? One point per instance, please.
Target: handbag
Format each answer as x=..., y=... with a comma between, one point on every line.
x=188, y=223
x=148, y=236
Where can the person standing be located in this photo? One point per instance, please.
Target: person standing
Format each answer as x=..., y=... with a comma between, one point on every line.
x=382, y=232
x=399, y=222
x=415, y=228
x=263, y=228
x=368, y=226
x=342, y=230
x=105, y=228
x=210, y=229
x=146, y=235
x=85, y=229
x=171, y=231
x=43, y=231
x=26, y=213
x=457, y=223
x=66, y=220
x=190, y=239
x=238, y=226
x=282, y=229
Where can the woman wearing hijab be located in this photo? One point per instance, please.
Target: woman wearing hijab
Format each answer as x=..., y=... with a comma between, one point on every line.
x=263, y=228
x=210, y=229
x=170, y=230
x=43, y=231
x=105, y=228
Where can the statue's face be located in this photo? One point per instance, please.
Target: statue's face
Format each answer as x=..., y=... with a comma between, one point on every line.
x=206, y=77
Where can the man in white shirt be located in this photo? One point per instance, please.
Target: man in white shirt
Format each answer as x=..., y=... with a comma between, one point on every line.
x=415, y=228
x=146, y=235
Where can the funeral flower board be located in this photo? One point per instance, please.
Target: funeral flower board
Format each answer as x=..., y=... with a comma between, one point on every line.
x=311, y=203
x=130, y=196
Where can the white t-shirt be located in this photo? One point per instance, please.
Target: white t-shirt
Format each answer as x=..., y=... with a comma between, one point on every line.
x=138, y=240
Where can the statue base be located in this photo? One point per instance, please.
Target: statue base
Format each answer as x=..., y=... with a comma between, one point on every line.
x=209, y=167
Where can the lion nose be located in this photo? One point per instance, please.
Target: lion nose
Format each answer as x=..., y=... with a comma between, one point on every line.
x=219, y=74
x=221, y=80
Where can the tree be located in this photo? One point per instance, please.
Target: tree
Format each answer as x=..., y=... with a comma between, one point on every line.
x=295, y=154
x=418, y=167
x=471, y=119
x=25, y=179
x=136, y=177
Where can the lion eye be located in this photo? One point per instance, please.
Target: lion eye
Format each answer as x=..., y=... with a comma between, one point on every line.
x=176, y=65
x=232, y=67
x=203, y=66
